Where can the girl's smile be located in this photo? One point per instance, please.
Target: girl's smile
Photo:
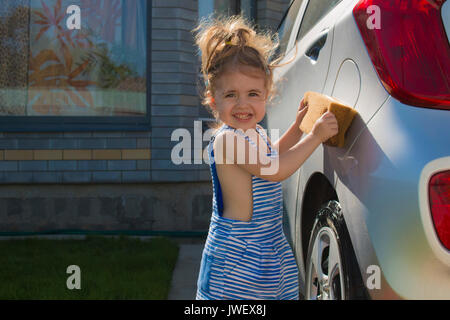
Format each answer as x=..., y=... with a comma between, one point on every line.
x=243, y=117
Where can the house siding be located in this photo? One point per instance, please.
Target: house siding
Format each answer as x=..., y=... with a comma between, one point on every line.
x=35, y=166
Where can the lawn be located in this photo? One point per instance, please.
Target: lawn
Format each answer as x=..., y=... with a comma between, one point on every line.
x=110, y=268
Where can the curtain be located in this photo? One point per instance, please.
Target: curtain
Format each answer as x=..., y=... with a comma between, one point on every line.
x=97, y=70
x=14, y=40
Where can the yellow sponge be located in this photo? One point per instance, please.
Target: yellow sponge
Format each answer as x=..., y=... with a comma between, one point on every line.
x=318, y=104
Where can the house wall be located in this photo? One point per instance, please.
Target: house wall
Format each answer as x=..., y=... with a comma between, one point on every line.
x=121, y=180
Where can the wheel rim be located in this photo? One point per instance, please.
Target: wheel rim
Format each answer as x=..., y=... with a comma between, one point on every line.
x=325, y=280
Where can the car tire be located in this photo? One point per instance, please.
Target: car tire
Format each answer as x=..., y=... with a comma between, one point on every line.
x=332, y=271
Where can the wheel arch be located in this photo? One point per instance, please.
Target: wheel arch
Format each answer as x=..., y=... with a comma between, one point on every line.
x=318, y=191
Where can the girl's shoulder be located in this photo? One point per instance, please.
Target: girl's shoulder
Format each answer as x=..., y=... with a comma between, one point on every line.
x=227, y=144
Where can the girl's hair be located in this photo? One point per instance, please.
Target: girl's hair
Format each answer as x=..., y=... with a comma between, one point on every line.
x=233, y=41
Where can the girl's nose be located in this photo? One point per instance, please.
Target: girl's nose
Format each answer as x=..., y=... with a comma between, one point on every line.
x=240, y=100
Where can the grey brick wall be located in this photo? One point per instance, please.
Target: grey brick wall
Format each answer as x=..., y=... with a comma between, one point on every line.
x=175, y=104
x=106, y=207
x=75, y=171
x=29, y=197
x=175, y=99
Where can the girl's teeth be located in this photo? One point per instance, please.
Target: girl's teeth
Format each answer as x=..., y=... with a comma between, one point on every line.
x=242, y=116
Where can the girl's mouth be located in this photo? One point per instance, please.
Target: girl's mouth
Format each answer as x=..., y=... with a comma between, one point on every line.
x=243, y=117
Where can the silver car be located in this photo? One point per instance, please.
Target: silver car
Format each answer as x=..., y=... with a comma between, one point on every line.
x=371, y=219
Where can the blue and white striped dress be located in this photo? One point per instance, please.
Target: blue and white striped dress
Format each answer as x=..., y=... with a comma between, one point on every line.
x=247, y=260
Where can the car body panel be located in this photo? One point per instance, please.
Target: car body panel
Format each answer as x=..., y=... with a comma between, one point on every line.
x=347, y=82
x=348, y=76
x=379, y=174
x=382, y=191
x=287, y=104
x=353, y=80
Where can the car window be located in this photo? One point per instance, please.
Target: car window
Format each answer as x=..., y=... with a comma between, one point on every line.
x=285, y=28
x=315, y=11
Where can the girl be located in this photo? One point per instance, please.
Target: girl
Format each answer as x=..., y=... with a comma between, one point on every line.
x=246, y=254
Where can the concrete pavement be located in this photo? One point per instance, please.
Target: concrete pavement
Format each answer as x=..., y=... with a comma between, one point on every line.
x=184, y=278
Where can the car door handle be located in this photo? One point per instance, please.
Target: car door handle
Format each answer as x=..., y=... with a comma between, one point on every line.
x=314, y=50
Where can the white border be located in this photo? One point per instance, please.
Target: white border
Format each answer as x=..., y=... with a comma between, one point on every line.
x=435, y=166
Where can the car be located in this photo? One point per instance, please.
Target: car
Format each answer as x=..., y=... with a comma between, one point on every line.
x=370, y=220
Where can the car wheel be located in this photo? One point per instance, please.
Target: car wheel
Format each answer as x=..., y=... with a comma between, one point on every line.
x=332, y=272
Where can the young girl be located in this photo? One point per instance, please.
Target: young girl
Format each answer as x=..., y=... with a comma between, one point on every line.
x=246, y=254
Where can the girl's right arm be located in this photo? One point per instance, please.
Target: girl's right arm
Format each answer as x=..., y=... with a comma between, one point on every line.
x=276, y=168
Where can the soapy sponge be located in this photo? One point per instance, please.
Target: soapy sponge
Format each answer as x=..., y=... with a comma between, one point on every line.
x=318, y=104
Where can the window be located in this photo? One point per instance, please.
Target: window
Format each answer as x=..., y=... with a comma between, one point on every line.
x=227, y=8
x=285, y=28
x=315, y=11
x=66, y=61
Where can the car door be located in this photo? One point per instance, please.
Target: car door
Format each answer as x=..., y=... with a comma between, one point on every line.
x=309, y=52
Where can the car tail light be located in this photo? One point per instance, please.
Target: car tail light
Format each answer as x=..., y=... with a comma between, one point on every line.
x=410, y=49
x=439, y=198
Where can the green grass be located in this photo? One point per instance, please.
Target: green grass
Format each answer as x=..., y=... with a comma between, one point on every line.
x=111, y=268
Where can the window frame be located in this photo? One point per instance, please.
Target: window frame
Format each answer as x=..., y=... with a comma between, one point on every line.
x=89, y=123
x=295, y=27
x=312, y=27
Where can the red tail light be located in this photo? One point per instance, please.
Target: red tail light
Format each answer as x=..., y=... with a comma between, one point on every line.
x=410, y=51
x=439, y=197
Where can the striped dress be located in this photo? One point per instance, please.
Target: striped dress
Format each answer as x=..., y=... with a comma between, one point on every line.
x=247, y=260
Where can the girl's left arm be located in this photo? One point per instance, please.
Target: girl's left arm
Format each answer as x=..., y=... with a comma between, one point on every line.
x=293, y=134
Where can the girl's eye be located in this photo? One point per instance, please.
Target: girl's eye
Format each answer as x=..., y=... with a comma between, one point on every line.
x=253, y=94
x=230, y=95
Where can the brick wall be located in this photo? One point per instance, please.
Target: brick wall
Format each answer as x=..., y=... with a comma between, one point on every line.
x=175, y=102
x=84, y=157
x=124, y=157
x=46, y=162
x=121, y=157
x=105, y=207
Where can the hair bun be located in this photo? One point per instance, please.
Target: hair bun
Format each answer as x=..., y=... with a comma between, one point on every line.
x=231, y=41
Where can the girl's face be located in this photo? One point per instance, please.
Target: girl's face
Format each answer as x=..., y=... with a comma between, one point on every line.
x=240, y=98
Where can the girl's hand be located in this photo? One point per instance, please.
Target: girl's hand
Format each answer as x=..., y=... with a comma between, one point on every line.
x=325, y=127
x=300, y=114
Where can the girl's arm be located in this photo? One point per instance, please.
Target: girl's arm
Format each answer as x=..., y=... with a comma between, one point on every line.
x=231, y=147
x=293, y=134
x=288, y=139
x=269, y=168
